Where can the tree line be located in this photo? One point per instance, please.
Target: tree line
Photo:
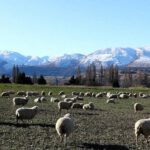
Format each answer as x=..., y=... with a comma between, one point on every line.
x=109, y=76
x=21, y=78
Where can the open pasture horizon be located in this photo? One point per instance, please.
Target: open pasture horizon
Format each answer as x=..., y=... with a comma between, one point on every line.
x=108, y=126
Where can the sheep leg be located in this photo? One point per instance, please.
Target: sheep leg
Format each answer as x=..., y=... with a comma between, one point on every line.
x=146, y=137
x=65, y=140
x=61, y=139
x=17, y=119
x=136, y=140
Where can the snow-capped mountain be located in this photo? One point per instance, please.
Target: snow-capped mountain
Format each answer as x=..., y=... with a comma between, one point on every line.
x=120, y=56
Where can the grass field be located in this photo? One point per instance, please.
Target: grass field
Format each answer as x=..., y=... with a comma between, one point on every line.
x=109, y=126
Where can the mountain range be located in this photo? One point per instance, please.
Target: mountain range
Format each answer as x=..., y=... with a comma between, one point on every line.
x=135, y=57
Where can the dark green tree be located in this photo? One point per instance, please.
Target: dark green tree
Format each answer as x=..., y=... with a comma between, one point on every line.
x=41, y=80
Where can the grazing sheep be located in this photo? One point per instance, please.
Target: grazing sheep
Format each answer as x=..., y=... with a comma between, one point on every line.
x=63, y=96
x=73, y=99
x=89, y=106
x=53, y=99
x=88, y=94
x=43, y=93
x=64, y=105
x=93, y=94
x=49, y=93
x=77, y=105
x=109, y=95
x=138, y=107
x=140, y=94
x=80, y=98
x=32, y=93
x=20, y=100
x=21, y=93
x=5, y=94
x=40, y=99
x=61, y=93
x=135, y=95
x=75, y=93
x=123, y=96
x=26, y=113
x=112, y=100
x=64, y=127
x=37, y=100
x=29, y=93
x=142, y=126
x=81, y=94
x=145, y=96
x=99, y=95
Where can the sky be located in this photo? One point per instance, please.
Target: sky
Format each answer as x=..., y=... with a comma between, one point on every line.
x=57, y=27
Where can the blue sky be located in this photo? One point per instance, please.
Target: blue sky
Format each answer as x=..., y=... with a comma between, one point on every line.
x=55, y=27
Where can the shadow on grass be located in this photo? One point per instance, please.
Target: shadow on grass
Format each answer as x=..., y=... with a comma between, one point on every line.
x=86, y=113
x=102, y=147
x=25, y=125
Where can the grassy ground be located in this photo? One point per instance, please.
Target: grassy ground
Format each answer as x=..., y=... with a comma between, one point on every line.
x=109, y=126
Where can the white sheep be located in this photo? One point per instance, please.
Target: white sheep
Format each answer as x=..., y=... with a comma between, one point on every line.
x=123, y=96
x=142, y=126
x=26, y=113
x=43, y=93
x=89, y=106
x=37, y=100
x=61, y=93
x=138, y=107
x=20, y=101
x=21, y=93
x=64, y=127
x=40, y=99
x=112, y=100
x=5, y=94
x=50, y=93
x=54, y=99
x=64, y=105
x=77, y=105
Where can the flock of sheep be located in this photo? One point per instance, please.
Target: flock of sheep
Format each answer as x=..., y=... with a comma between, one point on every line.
x=65, y=125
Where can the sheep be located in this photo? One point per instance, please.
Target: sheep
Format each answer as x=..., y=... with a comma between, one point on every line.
x=21, y=93
x=49, y=93
x=26, y=113
x=109, y=95
x=89, y=106
x=32, y=93
x=40, y=99
x=138, y=107
x=63, y=96
x=77, y=105
x=53, y=99
x=142, y=126
x=61, y=93
x=88, y=94
x=80, y=98
x=135, y=95
x=64, y=127
x=81, y=94
x=112, y=100
x=43, y=93
x=20, y=101
x=37, y=100
x=123, y=96
x=64, y=105
x=99, y=95
x=75, y=93
x=73, y=99
x=5, y=94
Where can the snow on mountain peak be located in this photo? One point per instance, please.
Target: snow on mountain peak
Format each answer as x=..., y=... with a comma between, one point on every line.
x=119, y=56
